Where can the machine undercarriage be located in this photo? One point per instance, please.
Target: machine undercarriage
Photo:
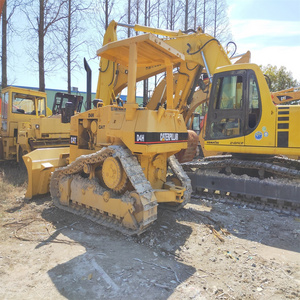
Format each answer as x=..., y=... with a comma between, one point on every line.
x=109, y=187
x=270, y=184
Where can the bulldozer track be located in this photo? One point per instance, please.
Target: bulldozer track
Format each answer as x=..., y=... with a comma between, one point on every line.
x=278, y=192
x=136, y=176
x=134, y=173
x=185, y=181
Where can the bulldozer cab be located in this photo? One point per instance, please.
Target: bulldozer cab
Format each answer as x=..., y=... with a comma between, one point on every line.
x=66, y=105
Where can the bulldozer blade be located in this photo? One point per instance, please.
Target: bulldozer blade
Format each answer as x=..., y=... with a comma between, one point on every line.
x=40, y=164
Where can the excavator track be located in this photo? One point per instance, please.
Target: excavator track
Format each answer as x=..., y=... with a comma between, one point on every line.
x=265, y=185
x=136, y=176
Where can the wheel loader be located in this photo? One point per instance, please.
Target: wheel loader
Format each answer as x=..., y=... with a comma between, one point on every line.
x=27, y=123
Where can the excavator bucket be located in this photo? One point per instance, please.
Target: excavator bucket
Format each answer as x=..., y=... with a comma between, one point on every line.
x=40, y=164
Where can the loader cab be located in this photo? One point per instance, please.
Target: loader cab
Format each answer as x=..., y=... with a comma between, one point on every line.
x=21, y=105
x=234, y=107
x=28, y=104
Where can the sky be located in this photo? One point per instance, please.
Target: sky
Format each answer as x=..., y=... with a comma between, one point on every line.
x=270, y=29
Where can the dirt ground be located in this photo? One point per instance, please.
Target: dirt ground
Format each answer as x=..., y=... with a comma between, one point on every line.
x=204, y=251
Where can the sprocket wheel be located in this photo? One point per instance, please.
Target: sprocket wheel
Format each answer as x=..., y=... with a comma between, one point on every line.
x=114, y=175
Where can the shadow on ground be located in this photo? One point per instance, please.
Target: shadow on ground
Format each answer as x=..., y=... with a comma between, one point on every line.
x=114, y=266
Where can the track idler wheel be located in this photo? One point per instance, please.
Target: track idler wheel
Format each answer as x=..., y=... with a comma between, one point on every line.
x=113, y=174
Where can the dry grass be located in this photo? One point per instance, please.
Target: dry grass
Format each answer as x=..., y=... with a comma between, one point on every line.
x=12, y=176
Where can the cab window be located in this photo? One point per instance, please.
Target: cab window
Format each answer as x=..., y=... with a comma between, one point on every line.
x=4, y=105
x=229, y=92
x=25, y=104
x=254, y=104
x=226, y=119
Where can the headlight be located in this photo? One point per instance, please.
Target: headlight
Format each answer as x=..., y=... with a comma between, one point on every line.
x=37, y=126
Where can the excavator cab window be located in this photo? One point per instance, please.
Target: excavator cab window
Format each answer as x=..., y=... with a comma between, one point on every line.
x=235, y=106
x=229, y=92
x=254, y=104
x=225, y=118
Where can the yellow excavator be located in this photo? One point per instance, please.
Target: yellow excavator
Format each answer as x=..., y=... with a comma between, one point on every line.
x=120, y=162
x=264, y=166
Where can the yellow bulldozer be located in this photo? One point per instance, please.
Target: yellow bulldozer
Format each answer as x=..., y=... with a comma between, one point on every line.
x=120, y=163
x=120, y=155
x=27, y=123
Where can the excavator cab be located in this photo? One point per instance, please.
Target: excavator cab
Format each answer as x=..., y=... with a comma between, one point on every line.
x=235, y=107
x=243, y=119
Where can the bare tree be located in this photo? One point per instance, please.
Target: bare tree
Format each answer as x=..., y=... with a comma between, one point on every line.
x=42, y=20
x=70, y=31
x=4, y=46
x=220, y=28
x=147, y=21
x=172, y=13
x=205, y=2
x=128, y=16
x=103, y=11
x=186, y=15
x=137, y=5
x=6, y=23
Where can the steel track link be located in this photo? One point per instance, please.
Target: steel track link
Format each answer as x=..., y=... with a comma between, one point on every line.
x=243, y=165
x=134, y=173
x=178, y=171
x=280, y=193
x=136, y=176
x=253, y=203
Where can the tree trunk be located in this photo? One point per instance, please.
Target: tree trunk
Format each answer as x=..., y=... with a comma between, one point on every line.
x=4, y=45
x=128, y=13
x=186, y=15
x=69, y=48
x=106, y=14
x=137, y=13
x=204, y=4
x=195, y=16
x=215, y=21
x=41, y=48
x=171, y=16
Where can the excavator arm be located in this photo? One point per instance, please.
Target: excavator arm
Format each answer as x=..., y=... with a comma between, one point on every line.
x=200, y=51
x=286, y=96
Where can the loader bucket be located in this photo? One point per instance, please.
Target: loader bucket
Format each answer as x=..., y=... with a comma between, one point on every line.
x=40, y=164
